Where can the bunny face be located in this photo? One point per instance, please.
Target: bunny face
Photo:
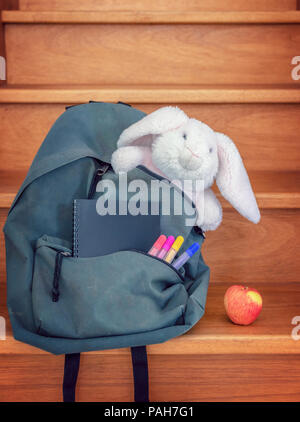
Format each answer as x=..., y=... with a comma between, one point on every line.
x=189, y=152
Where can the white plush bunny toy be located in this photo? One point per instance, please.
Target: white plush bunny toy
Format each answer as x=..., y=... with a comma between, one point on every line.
x=177, y=147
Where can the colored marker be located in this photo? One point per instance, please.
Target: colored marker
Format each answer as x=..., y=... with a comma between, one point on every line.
x=166, y=247
x=157, y=245
x=179, y=262
x=175, y=248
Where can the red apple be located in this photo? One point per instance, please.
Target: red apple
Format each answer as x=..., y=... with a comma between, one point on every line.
x=242, y=304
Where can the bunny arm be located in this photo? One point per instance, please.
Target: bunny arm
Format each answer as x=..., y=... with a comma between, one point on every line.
x=125, y=159
x=209, y=210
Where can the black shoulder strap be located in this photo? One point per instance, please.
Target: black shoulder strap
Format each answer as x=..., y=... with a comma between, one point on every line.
x=72, y=362
x=140, y=374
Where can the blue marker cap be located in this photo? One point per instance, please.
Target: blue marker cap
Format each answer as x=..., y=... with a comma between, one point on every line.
x=193, y=249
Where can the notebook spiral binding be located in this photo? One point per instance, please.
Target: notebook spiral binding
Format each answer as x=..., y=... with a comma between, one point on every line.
x=75, y=228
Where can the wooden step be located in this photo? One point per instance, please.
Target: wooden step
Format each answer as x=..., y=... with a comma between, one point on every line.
x=173, y=378
x=215, y=361
x=266, y=134
x=274, y=190
x=253, y=253
x=214, y=334
x=41, y=51
x=2, y=45
x=152, y=17
x=156, y=5
x=238, y=251
x=241, y=252
x=147, y=94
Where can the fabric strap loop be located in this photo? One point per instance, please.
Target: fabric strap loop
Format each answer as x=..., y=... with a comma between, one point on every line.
x=140, y=374
x=72, y=362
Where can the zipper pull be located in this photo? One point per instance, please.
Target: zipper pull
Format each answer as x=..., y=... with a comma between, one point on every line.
x=101, y=170
x=57, y=270
x=199, y=231
x=66, y=253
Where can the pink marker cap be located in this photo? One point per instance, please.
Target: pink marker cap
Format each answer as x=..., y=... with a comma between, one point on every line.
x=168, y=243
x=160, y=241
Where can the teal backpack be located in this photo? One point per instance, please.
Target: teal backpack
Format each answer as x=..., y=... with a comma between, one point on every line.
x=136, y=299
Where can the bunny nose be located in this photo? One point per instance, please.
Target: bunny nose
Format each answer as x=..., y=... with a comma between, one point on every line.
x=188, y=160
x=193, y=153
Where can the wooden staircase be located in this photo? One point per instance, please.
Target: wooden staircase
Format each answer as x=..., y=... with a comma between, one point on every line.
x=226, y=63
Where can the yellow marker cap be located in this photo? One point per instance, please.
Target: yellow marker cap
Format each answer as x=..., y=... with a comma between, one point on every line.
x=178, y=242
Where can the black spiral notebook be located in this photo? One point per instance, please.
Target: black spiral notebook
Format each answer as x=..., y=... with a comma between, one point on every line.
x=97, y=235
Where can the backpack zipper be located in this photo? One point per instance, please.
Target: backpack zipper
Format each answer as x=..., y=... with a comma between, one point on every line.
x=57, y=270
x=101, y=170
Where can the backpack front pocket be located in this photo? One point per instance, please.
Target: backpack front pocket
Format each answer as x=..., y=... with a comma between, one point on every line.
x=125, y=292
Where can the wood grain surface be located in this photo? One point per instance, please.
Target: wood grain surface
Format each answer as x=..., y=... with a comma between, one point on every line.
x=164, y=5
x=267, y=135
x=253, y=254
x=152, y=17
x=149, y=94
x=172, y=378
x=186, y=54
x=251, y=250
x=5, y=5
x=274, y=190
x=2, y=45
x=243, y=252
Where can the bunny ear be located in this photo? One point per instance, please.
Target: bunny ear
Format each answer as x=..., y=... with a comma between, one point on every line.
x=233, y=181
x=160, y=121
